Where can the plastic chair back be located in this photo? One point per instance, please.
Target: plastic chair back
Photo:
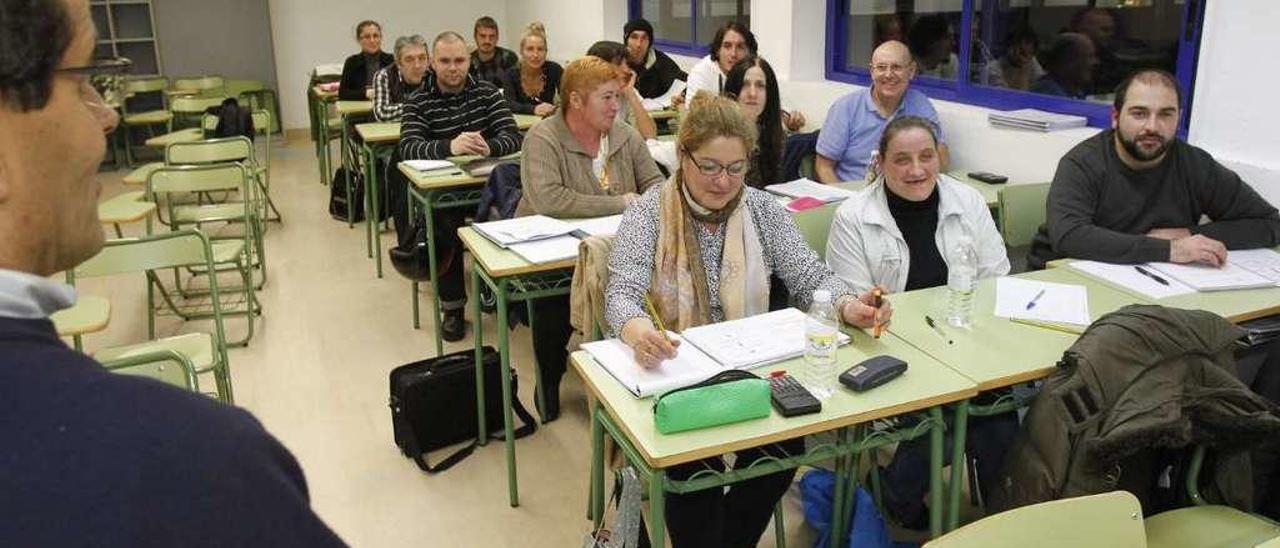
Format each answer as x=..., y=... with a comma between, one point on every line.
x=1022, y=211
x=815, y=224
x=167, y=250
x=166, y=366
x=146, y=85
x=194, y=105
x=202, y=178
x=200, y=83
x=209, y=151
x=1109, y=520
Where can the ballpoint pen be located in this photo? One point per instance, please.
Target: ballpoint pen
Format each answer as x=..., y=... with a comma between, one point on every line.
x=1151, y=275
x=938, y=330
x=1032, y=303
x=877, y=300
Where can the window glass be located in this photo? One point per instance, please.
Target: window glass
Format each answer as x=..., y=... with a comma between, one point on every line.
x=927, y=27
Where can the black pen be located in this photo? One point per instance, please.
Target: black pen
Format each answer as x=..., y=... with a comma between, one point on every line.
x=1149, y=274
x=938, y=330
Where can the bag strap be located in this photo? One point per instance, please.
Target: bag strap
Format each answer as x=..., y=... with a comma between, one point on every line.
x=529, y=426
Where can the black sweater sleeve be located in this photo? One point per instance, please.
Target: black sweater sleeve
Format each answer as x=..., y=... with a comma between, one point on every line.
x=353, y=76
x=1239, y=217
x=1074, y=199
x=517, y=101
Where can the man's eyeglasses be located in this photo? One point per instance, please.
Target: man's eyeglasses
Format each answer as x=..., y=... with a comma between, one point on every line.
x=712, y=168
x=104, y=76
x=883, y=68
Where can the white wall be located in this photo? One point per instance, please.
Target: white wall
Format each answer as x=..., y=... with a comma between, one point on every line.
x=572, y=25
x=307, y=33
x=1235, y=116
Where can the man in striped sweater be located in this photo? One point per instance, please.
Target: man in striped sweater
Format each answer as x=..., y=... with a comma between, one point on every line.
x=455, y=115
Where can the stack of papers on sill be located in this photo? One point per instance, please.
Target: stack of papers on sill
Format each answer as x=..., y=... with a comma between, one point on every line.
x=804, y=187
x=707, y=350
x=565, y=246
x=1037, y=120
x=1054, y=303
x=434, y=167
x=664, y=101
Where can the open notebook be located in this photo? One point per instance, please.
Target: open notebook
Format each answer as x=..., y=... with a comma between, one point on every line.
x=709, y=349
x=559, y=248
x=1244, y=269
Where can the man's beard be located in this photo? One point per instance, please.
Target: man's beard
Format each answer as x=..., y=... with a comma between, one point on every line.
x=1131, y=146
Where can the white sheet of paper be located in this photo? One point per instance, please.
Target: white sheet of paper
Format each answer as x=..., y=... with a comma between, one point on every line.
x=808, y=187
x=1209, y=278
x=1060, y=303
x=1263, y=262
x=426, y=166
x=754, y=341
x=547, y=250
x=663, y=101
x=523, y=229
x=598, y=226
x=689, y=366
x=1125, y=275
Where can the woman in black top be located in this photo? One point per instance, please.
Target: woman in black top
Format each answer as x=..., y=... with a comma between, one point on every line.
x=530, y=86
x=358, y=70
x=752, y=83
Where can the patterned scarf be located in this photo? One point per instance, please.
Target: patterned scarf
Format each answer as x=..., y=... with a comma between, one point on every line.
x=679, y=288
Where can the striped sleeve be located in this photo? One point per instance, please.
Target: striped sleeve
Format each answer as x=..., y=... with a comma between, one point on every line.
x=500, y=131
x=417, y=141
x=383, y=108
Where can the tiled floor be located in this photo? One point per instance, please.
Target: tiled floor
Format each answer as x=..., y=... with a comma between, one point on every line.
x=316, y=375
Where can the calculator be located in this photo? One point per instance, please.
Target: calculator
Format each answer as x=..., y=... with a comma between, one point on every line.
x=789, y=397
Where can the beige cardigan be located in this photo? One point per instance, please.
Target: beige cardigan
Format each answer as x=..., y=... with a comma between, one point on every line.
x=557, y=178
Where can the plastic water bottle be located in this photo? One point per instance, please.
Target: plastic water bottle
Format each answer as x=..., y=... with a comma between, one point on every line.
x=962, y=279
x=821, y=334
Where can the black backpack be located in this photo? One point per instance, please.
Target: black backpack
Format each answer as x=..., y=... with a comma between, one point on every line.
x=338, y=206
x=234, y=120
x=433, y=405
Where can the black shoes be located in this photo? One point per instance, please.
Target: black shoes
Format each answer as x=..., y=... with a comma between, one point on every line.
x=454, y=326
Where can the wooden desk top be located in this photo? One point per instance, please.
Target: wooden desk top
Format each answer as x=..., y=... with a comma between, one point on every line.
x=181, y=136
x=994, y=352
x=379, y=132
x=501, y=263
x=348, y=108
x=90, y=314
x=927, y=383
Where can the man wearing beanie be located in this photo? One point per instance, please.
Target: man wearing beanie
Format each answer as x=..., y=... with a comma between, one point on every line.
x=654, y=70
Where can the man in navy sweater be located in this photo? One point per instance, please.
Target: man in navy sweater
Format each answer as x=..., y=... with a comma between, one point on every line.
x=89, y=458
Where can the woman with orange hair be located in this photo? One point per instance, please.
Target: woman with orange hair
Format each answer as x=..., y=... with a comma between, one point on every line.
x=582, y=161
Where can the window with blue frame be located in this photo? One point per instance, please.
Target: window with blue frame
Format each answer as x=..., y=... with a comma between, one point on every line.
x=686, y=26
x=1062, y=56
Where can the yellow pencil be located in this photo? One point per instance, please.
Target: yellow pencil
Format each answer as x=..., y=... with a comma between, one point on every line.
x=1064, y=328
x=657, y=320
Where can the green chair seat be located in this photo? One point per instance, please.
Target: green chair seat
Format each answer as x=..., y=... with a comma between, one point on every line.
x=139, y=176
x=208, y=213
x=226, y=251
x=148, y=118
x=1208, y=527
x=1108, y=520
x=90, y=314
x=128, y=207
x=195, y=347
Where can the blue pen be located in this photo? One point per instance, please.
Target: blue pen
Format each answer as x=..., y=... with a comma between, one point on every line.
x=1032, y=304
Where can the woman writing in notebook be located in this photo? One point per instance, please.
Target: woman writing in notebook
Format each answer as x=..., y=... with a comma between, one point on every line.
x=896, y=233
x=580, y=162
x=702, y=247
x=530, y=86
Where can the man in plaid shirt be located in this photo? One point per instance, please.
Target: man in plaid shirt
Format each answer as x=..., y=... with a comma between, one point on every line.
x=454, y=115
x=394, y=84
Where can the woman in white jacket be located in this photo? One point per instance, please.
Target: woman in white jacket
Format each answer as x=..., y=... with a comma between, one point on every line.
x=895, y=234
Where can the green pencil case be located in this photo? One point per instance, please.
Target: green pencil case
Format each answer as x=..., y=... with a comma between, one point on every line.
x=728, y=397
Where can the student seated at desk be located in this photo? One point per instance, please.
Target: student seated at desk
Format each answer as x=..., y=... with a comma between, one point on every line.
x=855, y=121
x=655, y=71
x=701, y=246
x=455, y=115
x=895, y=234
x=754, y=86
x=489, y=61
x=359, y=69
x=530, y=86
x=580, y=162
x=393, y=85
x=631, y=109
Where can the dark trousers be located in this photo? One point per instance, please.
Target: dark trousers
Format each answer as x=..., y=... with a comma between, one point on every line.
x=452, y=290
x=906, y=479
x=551, y=331
x=1266, y=459
x=733, y=518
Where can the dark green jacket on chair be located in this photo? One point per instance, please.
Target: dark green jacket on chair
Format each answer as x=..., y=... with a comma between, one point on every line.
x=1140, y=378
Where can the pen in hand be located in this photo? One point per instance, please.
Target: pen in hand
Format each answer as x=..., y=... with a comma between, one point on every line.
x=657, y=320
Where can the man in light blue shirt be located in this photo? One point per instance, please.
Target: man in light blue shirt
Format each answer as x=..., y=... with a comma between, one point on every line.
x=854, y=122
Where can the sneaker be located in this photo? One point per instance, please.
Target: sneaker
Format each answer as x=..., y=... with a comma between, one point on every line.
x=454, y=326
